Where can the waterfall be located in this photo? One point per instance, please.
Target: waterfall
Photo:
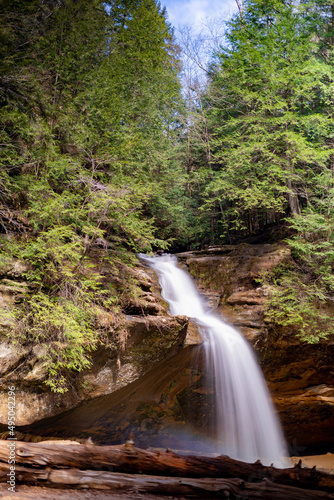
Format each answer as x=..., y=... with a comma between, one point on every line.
x=247, y=427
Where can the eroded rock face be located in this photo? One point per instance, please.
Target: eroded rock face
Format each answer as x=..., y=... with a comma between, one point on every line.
x=166, y=407
x=147, y=336
x=228, y=278
x=301, y=380
x=149, y=341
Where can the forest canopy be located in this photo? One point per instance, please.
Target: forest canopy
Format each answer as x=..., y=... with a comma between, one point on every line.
x=102, y=157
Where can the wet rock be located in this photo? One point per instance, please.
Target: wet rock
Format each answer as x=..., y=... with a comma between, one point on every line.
x=300, y=375
x=193, y=336
x=212, y=299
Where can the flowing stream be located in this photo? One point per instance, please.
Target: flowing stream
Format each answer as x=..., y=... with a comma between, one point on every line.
x=246, y=424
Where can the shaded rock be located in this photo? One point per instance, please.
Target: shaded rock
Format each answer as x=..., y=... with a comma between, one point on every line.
x=10, y=356
x=301, y=379
x=12, y=267
x=148, y=341
x=228, y=275
x=154, y=387
x=138, y=343
x=323, y=391
x=155, y=408
x=307, y=417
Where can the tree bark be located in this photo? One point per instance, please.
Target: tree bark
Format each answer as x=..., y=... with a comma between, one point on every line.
x=129, y=459
x=293, y=202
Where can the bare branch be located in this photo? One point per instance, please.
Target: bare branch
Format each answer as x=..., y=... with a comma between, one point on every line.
x=240, y=4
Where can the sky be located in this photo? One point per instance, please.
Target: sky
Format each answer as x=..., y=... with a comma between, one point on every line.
x=195, y=12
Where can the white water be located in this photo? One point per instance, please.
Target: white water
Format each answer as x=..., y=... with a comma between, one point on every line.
x=246, y=424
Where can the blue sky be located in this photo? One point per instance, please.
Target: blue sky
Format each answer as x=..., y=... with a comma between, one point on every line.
x=194, y=12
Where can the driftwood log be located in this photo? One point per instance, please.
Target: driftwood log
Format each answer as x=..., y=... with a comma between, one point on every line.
x=134, y=469
x=195, y=488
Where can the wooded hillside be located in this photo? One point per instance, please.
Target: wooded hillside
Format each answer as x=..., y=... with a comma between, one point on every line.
x=102, y=158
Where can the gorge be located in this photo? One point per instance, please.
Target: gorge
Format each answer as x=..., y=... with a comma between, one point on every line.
x=153, y=389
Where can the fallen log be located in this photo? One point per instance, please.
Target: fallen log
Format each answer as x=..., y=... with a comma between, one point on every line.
x=129, y=459
x=196, y=488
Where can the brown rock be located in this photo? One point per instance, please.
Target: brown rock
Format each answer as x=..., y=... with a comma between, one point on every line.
x=255, y=297
x=151, y=386
x=300, y=375
x=193, y=336
x=10, y=356
x=10, y=267
x=234, y=266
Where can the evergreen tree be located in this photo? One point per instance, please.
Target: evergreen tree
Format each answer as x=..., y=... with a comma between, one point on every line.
x=304, y=293
x=89, y=124
x=268, y=116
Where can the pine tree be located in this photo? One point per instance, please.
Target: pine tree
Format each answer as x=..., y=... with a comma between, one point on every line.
x=268, y=114
x=89, y=123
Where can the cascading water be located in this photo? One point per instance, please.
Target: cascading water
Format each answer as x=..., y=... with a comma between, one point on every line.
x=246, y=425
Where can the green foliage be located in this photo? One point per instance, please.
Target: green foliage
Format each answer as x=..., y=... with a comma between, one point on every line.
x=66, y=330
x=303, y=296
x=89, y=97
x=298, y=303
x=268, y=108
x=96, y=164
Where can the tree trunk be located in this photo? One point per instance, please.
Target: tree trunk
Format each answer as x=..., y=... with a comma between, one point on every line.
x=202, y=488
x=293, y=202
x=129, y=459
